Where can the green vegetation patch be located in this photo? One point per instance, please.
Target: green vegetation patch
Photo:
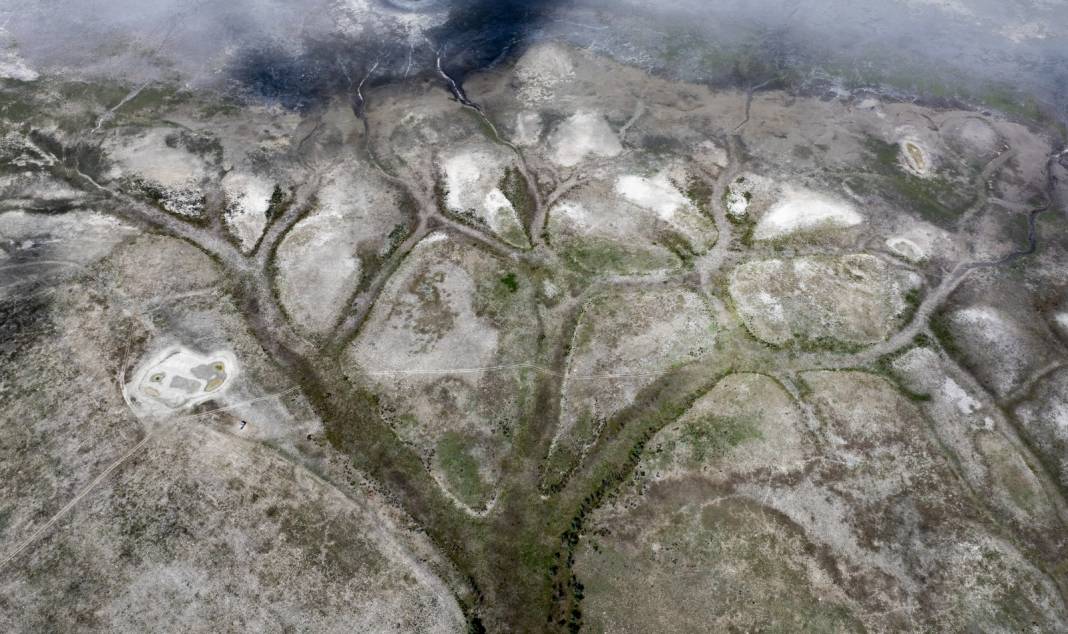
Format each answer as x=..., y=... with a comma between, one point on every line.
x=714, y=436
x=938, y=199
x=460, y=468
x=510, y=282
x=504, y=298
x=943, y=332
x=597, y=255
x=700, y=195
x=567, y=453
x=514, y=187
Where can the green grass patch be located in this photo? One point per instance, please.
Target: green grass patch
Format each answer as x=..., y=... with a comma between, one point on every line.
x=714, y=436
x=937, y=199
x=461, y=469
x=679, y=246
x=605, y=256
x=822, y=344
x=510, y=282
x=502, y=298
x=567, y=453
x=943, y=332
x=700, y=195
x=515, y=189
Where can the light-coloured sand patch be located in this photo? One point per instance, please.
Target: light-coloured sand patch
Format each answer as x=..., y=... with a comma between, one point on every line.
x=657, y=194
x=966, y=427
x=149, y=156
x=321, y=260
x=922, y=371
x=987, y=333
x=1043, y=419
x=1061, y=321
x=582, y=135
x=737, y=203
x=953, y=392
x=77, y=237
x=318, y=268
x=907, y=248
x=800, y=210
x=631, y=223
x=856, y=299
x=528, y=128
x=462, y=175
x=749, y=192
x=12, y=66
x=573, y=214
x=472, y=179
x=248, y=197
x=917, y=241
x=177, y=378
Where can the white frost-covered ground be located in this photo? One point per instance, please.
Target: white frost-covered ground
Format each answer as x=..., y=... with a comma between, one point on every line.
x=472, y=178
x=1061, y=319
x=657, y=194
x=247, y=199
x=583, y=134
x=802, y=209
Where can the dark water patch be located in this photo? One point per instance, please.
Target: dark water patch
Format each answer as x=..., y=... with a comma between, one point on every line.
x=294, y=81
x=319, y=72
x=481, y=33
x=476, y=35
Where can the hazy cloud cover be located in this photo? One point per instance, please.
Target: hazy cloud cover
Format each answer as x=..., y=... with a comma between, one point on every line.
x=274, y=45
